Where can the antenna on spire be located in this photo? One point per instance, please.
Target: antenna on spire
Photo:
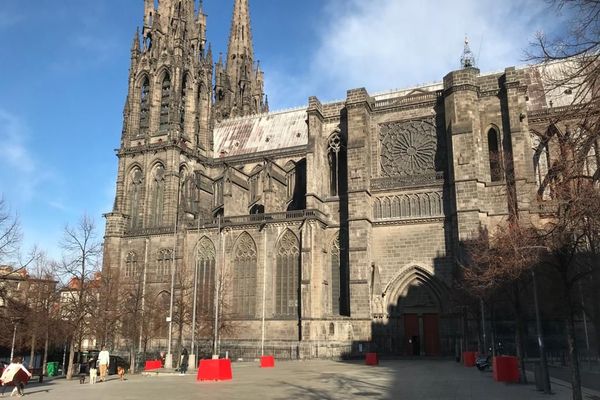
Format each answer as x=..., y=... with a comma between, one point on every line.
x=468, y=59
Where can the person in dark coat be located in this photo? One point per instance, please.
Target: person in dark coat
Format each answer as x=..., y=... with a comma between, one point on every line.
x=183, y=366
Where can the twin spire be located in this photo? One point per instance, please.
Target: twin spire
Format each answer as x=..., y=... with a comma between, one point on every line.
x=177, y=27
x=240, y=36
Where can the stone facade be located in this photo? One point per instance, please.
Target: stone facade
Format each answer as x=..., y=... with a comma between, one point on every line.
x=336, y=224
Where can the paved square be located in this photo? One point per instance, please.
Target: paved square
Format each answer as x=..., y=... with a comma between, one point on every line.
x=315, y=379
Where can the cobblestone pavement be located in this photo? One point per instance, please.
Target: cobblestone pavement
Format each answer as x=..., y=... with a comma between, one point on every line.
x=317, y=379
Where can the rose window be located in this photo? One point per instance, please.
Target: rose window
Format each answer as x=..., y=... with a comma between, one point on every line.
x=408, y=148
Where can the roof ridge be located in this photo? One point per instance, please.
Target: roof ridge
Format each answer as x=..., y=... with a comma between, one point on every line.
x=258, y=115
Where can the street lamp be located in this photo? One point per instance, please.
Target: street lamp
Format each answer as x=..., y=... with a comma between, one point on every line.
x=540, y=334
x=540, y=337
x=15, y=321
x=169, y=355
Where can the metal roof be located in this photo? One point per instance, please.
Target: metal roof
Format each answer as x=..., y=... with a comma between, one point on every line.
x=258, y=133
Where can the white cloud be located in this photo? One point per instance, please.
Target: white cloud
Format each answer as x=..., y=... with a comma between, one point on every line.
x=18, y=167
x=13, y=150
x=387, y=44
x=8, y=20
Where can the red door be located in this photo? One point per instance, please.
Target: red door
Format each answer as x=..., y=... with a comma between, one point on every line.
x=431, y=328
x=412, y=343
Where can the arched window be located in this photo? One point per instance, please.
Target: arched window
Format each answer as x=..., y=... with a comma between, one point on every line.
x=157, y=195
x=131, y=265
x=145, y=106
x=495, y=155
x=205, y=260
x=336, y=276
x=183, y=105
x=286, y=275
x=333, y=156
x=290, y=167
x=135, y=195
x=244, y=276
x=165, y=102
x=541, y=165
x=164, y=263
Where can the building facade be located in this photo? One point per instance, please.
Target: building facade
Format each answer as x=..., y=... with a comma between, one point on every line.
x=323, y=228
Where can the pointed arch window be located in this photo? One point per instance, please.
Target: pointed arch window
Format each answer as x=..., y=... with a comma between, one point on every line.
x=135, y=196
x=145, y=106
x=163, y=264
x=287, y=276
x=183, y=106
x=541, y=165
x=336, y=276
x=157, y=195
x=131, y=265
x=244, y=276
x=165, y=102
x=333, y=156
x=205, y=260
x=290, y=167
x=495, y=155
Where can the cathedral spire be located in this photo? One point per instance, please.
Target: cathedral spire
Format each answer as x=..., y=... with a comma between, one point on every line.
x=240, y=90
x=240, y=36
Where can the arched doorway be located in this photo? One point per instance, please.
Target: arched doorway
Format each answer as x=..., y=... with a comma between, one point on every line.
x=419, y=311
x=414, y=306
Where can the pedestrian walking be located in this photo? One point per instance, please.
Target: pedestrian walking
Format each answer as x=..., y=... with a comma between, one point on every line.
x=183, y=366
x=103, y=363
x=17, y=375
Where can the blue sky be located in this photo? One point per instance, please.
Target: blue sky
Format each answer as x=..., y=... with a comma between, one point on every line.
x=64, y=66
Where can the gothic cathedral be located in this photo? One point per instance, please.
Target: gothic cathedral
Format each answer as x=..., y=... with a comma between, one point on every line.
x=319, y=231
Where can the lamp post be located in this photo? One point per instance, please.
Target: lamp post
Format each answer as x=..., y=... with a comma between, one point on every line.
x=192, y=358
x=540, y=337
x=14, y=338
x=169, y=355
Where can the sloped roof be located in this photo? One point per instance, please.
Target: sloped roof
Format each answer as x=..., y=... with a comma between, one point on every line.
x=258, y=133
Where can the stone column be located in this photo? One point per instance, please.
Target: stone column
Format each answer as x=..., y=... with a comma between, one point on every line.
x=514, y=117
x=357, y=205
x=463, y=129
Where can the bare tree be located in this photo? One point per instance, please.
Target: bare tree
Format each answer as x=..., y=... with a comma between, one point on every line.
x=497, y=264
x=81, y=252
x=10, y=233
x=42, y=297
x=571, y=233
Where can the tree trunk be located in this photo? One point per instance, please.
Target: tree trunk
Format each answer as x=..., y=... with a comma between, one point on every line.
x=520, y=334
x=32, y=353
x=132, y=360
x=46, y=344
x=573, y=354
x=70, y=367
x=595, y=310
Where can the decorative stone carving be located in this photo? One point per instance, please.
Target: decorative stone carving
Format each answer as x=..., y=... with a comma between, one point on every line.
x=206, y=249
x=408, y=206
x=408, y=148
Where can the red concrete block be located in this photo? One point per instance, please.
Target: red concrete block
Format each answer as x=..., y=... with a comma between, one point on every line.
x=506, y=369
x=371, y=359
x=152, y=365
x=214, y=370
x=469, y=358
x=267, y=361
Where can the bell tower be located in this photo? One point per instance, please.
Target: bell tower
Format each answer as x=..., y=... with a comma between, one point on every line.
x=170, y=77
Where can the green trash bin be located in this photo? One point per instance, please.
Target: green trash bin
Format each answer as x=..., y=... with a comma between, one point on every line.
x=52, y=368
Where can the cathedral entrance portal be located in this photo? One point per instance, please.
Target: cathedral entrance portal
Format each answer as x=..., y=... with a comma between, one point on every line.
x=419, y=311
